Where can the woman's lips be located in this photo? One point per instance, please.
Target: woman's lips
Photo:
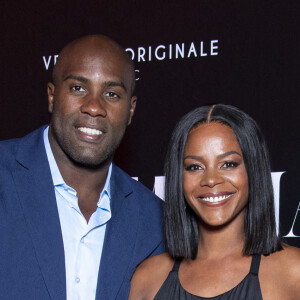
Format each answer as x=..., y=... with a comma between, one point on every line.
x=215, y=198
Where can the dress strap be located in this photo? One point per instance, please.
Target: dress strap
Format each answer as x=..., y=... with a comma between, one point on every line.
x=255, y=264
x=176, y=265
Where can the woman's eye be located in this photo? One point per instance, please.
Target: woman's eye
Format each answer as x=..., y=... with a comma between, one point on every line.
x=193, y=167
x=77, y=88
x=229, y=165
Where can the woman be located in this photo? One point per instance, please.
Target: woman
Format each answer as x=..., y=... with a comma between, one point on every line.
x=219, y=217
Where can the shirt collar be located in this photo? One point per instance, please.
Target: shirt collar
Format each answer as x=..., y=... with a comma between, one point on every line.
x=58, y=179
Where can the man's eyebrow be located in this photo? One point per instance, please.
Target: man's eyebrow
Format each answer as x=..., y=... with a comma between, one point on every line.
x=75, y=77
x=106, y=83
x=115, y=83
x=219, y=156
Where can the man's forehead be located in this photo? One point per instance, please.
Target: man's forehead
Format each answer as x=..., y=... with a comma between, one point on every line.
x=94, y=46
x=95, y=54
x=94, y=66
x=90, y=56
x=96, y=72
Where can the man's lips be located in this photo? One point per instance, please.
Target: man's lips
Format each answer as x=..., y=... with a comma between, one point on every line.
x=89, y=134
x=90, y=131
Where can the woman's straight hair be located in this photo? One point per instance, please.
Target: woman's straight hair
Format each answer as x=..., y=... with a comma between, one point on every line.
x=181, y=222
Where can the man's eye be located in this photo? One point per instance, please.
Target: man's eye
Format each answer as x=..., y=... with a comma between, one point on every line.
x=112, y=95
x=77, y=88
x=193, y=167
x=229, y=165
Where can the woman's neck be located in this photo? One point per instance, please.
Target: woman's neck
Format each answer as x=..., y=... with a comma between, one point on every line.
x=218, y=242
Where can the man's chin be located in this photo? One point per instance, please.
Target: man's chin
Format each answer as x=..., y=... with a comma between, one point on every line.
x=91, y=161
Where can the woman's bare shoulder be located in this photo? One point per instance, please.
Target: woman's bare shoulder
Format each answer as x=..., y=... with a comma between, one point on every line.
x=280, y=271
x=287, y=259
x=149, y=276
x=290, y=262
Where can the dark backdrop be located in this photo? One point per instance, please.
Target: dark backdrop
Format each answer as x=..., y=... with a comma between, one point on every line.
x=255, y=67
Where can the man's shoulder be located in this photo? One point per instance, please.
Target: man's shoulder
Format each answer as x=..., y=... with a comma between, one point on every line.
x=9, y=148
x=134, y=185
x=146, y=207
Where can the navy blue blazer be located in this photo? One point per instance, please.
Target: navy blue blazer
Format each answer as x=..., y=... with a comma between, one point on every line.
x=32, y=264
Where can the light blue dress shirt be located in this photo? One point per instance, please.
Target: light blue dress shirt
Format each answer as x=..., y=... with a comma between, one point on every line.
x=83, y=242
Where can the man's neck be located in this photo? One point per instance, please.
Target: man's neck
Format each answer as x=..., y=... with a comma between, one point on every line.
x=81, y=177
x=88, y=184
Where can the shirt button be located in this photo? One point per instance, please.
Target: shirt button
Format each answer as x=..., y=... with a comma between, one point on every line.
x=77, y=279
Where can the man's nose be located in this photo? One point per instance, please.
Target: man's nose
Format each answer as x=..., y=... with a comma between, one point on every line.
x=94, y=105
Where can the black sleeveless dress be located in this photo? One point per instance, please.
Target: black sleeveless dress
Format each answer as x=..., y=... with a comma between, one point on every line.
x=247, y=289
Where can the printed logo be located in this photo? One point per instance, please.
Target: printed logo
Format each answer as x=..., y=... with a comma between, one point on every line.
x=174, y=51
x=160, y=52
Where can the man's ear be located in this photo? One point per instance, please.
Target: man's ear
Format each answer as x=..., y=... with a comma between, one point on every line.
x=50, y=92
x=132, y=108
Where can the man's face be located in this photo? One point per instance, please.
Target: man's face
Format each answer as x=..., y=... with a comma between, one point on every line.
x=91, y=105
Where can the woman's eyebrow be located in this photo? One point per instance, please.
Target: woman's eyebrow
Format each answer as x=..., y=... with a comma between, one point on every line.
x=219, y=156
x=228, y=153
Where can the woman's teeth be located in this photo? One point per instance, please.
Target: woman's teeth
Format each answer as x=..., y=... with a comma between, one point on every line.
x=215, y=199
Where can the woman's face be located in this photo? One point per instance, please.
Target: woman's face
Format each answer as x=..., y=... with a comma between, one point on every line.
x=215, y=181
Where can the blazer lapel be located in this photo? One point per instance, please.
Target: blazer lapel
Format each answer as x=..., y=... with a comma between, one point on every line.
x=120, y=237
x=36, y=193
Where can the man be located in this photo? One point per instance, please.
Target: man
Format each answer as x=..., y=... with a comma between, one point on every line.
x=72, y=224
